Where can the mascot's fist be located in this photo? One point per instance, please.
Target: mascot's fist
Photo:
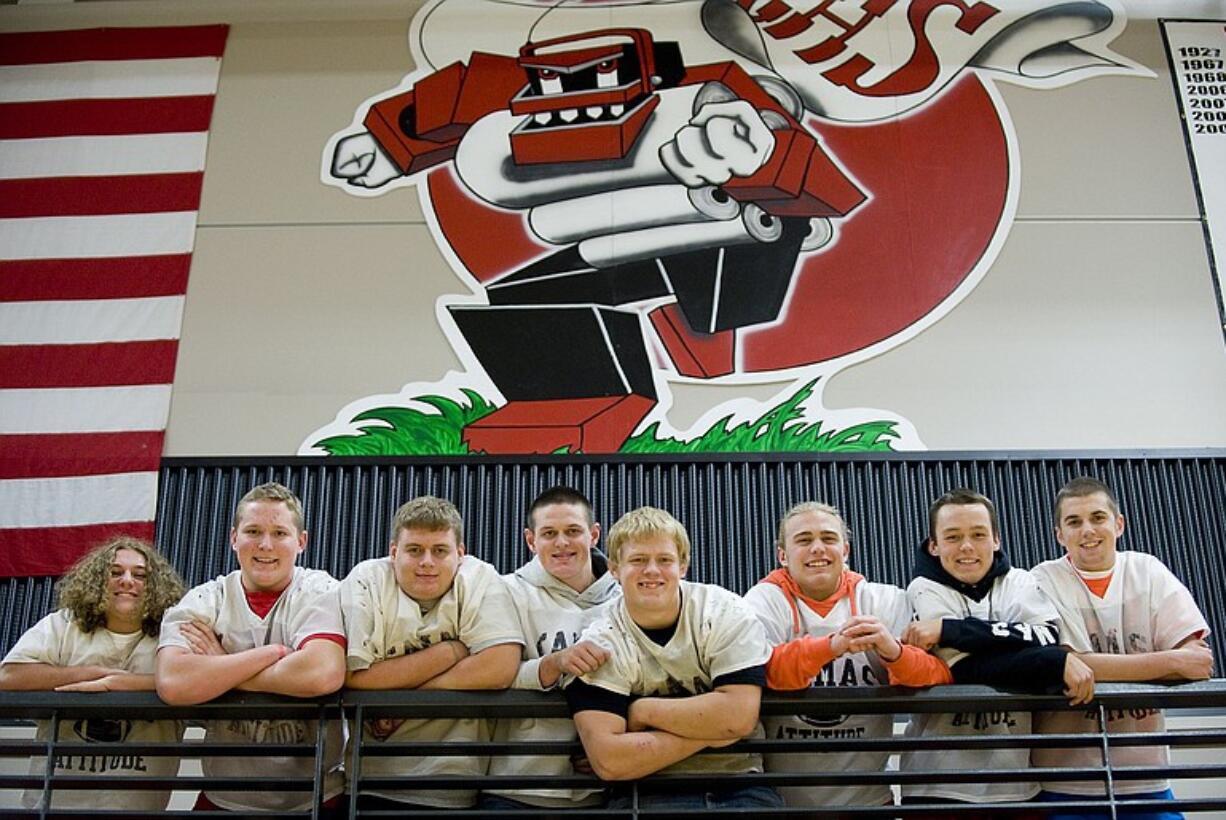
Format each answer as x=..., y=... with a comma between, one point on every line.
x=359, y=160
x=722, y=141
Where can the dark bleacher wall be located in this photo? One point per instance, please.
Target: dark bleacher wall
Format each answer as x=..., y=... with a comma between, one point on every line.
x=1174, y=502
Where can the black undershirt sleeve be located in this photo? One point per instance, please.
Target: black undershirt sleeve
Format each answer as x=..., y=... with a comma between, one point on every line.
x=978, y=635
x=755, y=675
x=1033, y=669
x=582, y=697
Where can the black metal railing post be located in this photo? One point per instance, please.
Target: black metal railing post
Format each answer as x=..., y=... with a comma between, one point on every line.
x=44, y=805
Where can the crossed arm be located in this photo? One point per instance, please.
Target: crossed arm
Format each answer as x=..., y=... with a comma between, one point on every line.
x=1192, y=659
x=206, y=670
x=46, y=676
x=445, y=665
x=663, y=731
x=1006, y=654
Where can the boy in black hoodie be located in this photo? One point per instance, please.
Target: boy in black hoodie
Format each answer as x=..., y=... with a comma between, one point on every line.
x=991, y=624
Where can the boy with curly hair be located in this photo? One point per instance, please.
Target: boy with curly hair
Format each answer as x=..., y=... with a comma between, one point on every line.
x=101, y=638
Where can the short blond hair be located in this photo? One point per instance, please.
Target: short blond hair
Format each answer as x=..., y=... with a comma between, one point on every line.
x=813, y=507
x=272, y=491
x=429, y=513
x=643, y=524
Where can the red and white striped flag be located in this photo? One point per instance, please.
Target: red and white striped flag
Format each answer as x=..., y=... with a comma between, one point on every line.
x=102, y=146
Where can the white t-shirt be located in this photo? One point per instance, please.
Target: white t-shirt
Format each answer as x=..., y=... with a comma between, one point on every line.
x=308, y=606
x=1145, y=609
x=1013, y=597
x=887, y=603
x=716, y=635
x=56, y=640
x=382, y=622
x=552, y=616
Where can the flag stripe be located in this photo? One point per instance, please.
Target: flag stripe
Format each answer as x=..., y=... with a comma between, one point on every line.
x=76, y=500
x=103, y=141
x=87, y=321
x=67, y=118
x=102, y=156
x=88, y=365
x=112, y=44
x=108, y=80
x=50, y=456
x=51, y=550
x=88, y=196
x=114, y=277
x=84, y=409
x=88, y=236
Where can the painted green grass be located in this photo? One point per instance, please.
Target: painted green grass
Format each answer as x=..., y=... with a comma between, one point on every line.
x=781, y=429
x=404, y=431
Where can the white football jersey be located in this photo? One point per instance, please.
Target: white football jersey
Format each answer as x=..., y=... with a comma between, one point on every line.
x=1145, y=609
x=308, y=606
x=1013, y=597
x=552, y=616
x=382, y=622
x=716, y=635
x=887, y=603
x=57, y=641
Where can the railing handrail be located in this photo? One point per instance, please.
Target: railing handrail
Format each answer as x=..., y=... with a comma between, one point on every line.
x=519, y=703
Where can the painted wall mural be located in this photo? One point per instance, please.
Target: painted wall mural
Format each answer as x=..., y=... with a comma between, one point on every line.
x=636, y=195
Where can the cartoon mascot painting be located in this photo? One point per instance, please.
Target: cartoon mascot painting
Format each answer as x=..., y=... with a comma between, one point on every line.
x=691, y=192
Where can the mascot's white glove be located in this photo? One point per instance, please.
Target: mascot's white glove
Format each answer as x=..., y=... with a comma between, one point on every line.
x=722, y=141
x=360, y=161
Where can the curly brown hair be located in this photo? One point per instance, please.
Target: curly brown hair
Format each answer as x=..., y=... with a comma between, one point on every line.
x=82, y=590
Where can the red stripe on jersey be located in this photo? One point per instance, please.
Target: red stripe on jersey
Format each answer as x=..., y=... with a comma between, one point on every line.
x=112, y=44
x=112, y=277
x=59, y=455
x=52, y=550
x=105, y=117
x=324, y=636
x=104, y=364
x=93, y=195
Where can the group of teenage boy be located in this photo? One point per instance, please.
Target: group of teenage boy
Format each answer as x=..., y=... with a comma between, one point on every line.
x=655, y=668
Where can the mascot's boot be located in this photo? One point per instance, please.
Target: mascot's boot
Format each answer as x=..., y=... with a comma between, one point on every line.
x=576, y=377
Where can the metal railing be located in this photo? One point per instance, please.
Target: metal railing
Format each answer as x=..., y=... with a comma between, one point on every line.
x=1203, y=698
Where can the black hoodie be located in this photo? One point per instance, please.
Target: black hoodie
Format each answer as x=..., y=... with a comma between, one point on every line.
x=1017, y=656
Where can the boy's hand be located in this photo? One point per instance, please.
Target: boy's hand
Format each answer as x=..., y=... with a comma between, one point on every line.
x=201, y=639
x=1078, y=680
x=840, y=644
x=582, y=658
x=117, y=681
x=924, y=634
x=1193, y=660
x=866, y=632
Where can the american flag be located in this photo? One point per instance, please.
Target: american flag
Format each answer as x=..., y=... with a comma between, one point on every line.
x=102, y=147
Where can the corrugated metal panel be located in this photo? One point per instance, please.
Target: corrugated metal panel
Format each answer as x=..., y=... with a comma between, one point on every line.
x=1174, y=503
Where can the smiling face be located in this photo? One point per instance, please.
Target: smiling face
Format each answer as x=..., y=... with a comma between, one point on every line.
x=965, y=543
x=814, y=552
x=267, y=543
x=562, y=538
x=1088, y=528
x=425, y=562
x=125, y=591
x=650, y=570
